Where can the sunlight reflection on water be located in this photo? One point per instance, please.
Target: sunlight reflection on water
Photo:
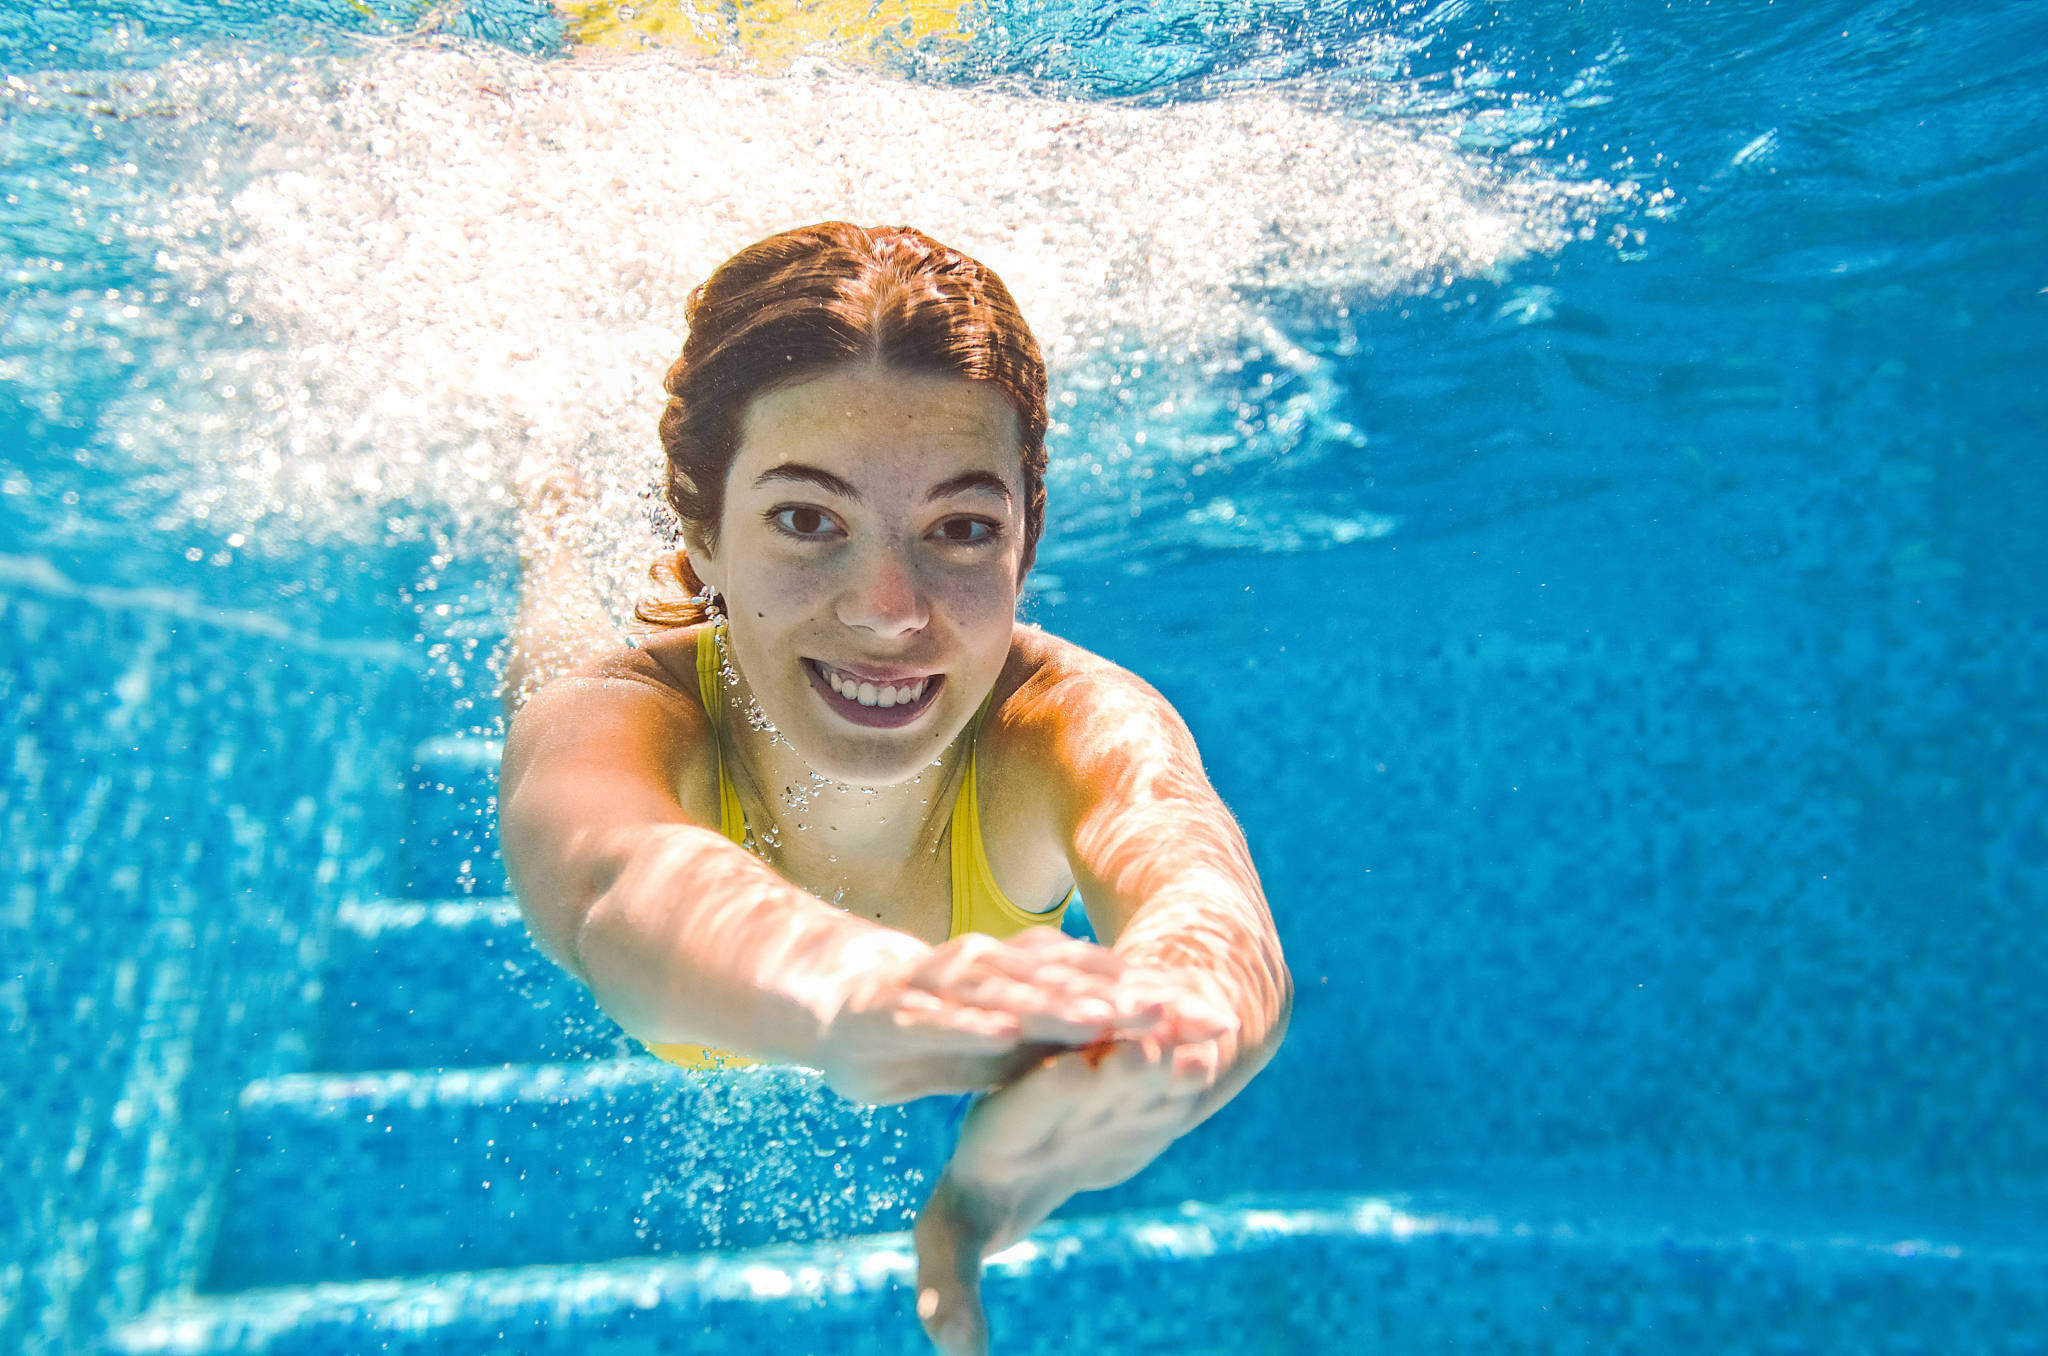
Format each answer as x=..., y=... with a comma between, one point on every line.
x=472, y=257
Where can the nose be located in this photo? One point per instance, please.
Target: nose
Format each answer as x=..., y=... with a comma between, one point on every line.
x=885, y=596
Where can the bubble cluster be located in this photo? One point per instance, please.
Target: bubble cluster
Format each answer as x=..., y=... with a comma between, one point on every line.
x=750, y=710
x=459, y=257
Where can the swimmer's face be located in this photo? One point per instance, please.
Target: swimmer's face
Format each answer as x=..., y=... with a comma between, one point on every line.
x=870, y=546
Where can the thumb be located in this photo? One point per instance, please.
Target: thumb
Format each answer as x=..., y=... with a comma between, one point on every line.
x=949, y=1276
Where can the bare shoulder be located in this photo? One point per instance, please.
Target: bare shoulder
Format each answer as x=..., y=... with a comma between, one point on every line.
x=1071, y=721
x=632, y=719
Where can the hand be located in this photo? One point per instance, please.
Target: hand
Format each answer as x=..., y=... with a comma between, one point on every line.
x=975, y=1012
x=1080, y=1120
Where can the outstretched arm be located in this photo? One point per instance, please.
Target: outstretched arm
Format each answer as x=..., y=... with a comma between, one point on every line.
x=683, y=936
x=1170, y=883
x=1167, y=875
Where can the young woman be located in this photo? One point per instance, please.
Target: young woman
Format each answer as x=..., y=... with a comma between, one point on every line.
x=830, y=810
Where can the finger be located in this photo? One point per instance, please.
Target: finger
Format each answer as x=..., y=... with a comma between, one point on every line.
x=951, y=959
x=1066, y=979
x=949, y=1277
x=1188, y=1015
x=1019, y=969
x=1142, y=1068
x=1031, y=953
x=917, y=1010
x=1133, y=1059
x=1070, y=1029
x=1016, y=995
x=1073, y=1007
x=1196, y=1067
x=1052, y=944
x=1196, y=1019
x=1056, y=1016
x=1092, y=999
x=950, y=1027
x=1136, y=1015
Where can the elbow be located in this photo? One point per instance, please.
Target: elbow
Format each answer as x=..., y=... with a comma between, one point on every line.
x=610, y=951
x=1282, y=998
x=554, y=915
x=607, y=957
x=568, y=918
x=579, y=931
x=1283, y=1009
x=622, y=929
x=591, y=924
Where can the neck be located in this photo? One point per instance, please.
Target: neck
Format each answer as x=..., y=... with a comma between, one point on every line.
x=810, y=825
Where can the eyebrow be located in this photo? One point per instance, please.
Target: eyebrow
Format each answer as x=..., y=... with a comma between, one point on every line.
x=970, y=480
x=815, y=475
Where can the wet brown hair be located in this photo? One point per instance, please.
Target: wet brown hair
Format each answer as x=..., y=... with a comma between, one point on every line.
x=799, y=304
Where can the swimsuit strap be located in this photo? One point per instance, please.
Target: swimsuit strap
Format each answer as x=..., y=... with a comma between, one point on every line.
x=732, y=820
x=979, y=904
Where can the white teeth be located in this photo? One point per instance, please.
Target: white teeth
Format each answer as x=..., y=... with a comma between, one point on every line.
x=867, y=694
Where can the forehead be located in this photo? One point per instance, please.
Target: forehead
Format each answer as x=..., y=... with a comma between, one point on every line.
x=869, y=423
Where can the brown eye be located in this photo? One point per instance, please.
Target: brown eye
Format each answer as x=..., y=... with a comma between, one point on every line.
x=966, y=531
x=799, y=521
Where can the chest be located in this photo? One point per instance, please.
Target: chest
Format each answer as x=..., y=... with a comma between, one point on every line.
x=912, y=894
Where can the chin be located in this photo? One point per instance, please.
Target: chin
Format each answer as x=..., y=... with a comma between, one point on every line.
x=877, y=760
x=855, y=771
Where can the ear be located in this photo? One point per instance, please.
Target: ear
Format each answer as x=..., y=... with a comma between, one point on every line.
x=703, y=560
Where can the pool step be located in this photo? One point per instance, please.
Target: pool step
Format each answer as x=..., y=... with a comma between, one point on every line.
x=1288, y=1275
x=454, y=983
x=436, y=1138
x=346, y=1176
x=444, y=1189
x=350, y=1176
x=449, y=983
x=450, y=845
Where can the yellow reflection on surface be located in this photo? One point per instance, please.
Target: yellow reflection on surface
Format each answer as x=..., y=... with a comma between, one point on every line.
x=761, y=29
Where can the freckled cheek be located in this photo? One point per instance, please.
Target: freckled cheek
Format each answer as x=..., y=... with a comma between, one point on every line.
x=976, y=599
x=789, y=592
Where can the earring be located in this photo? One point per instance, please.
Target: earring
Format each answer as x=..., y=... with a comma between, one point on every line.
x=707, y=599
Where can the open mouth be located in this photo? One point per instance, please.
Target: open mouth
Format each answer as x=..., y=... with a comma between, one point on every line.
x=878, y=706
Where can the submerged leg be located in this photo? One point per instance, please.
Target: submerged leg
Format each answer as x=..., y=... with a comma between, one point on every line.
x=562, y=621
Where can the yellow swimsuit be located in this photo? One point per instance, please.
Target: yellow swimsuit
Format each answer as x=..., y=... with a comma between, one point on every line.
x=979, y=904
x=763, y=29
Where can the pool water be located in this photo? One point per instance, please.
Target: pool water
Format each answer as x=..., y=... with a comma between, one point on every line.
x=1577, y=468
